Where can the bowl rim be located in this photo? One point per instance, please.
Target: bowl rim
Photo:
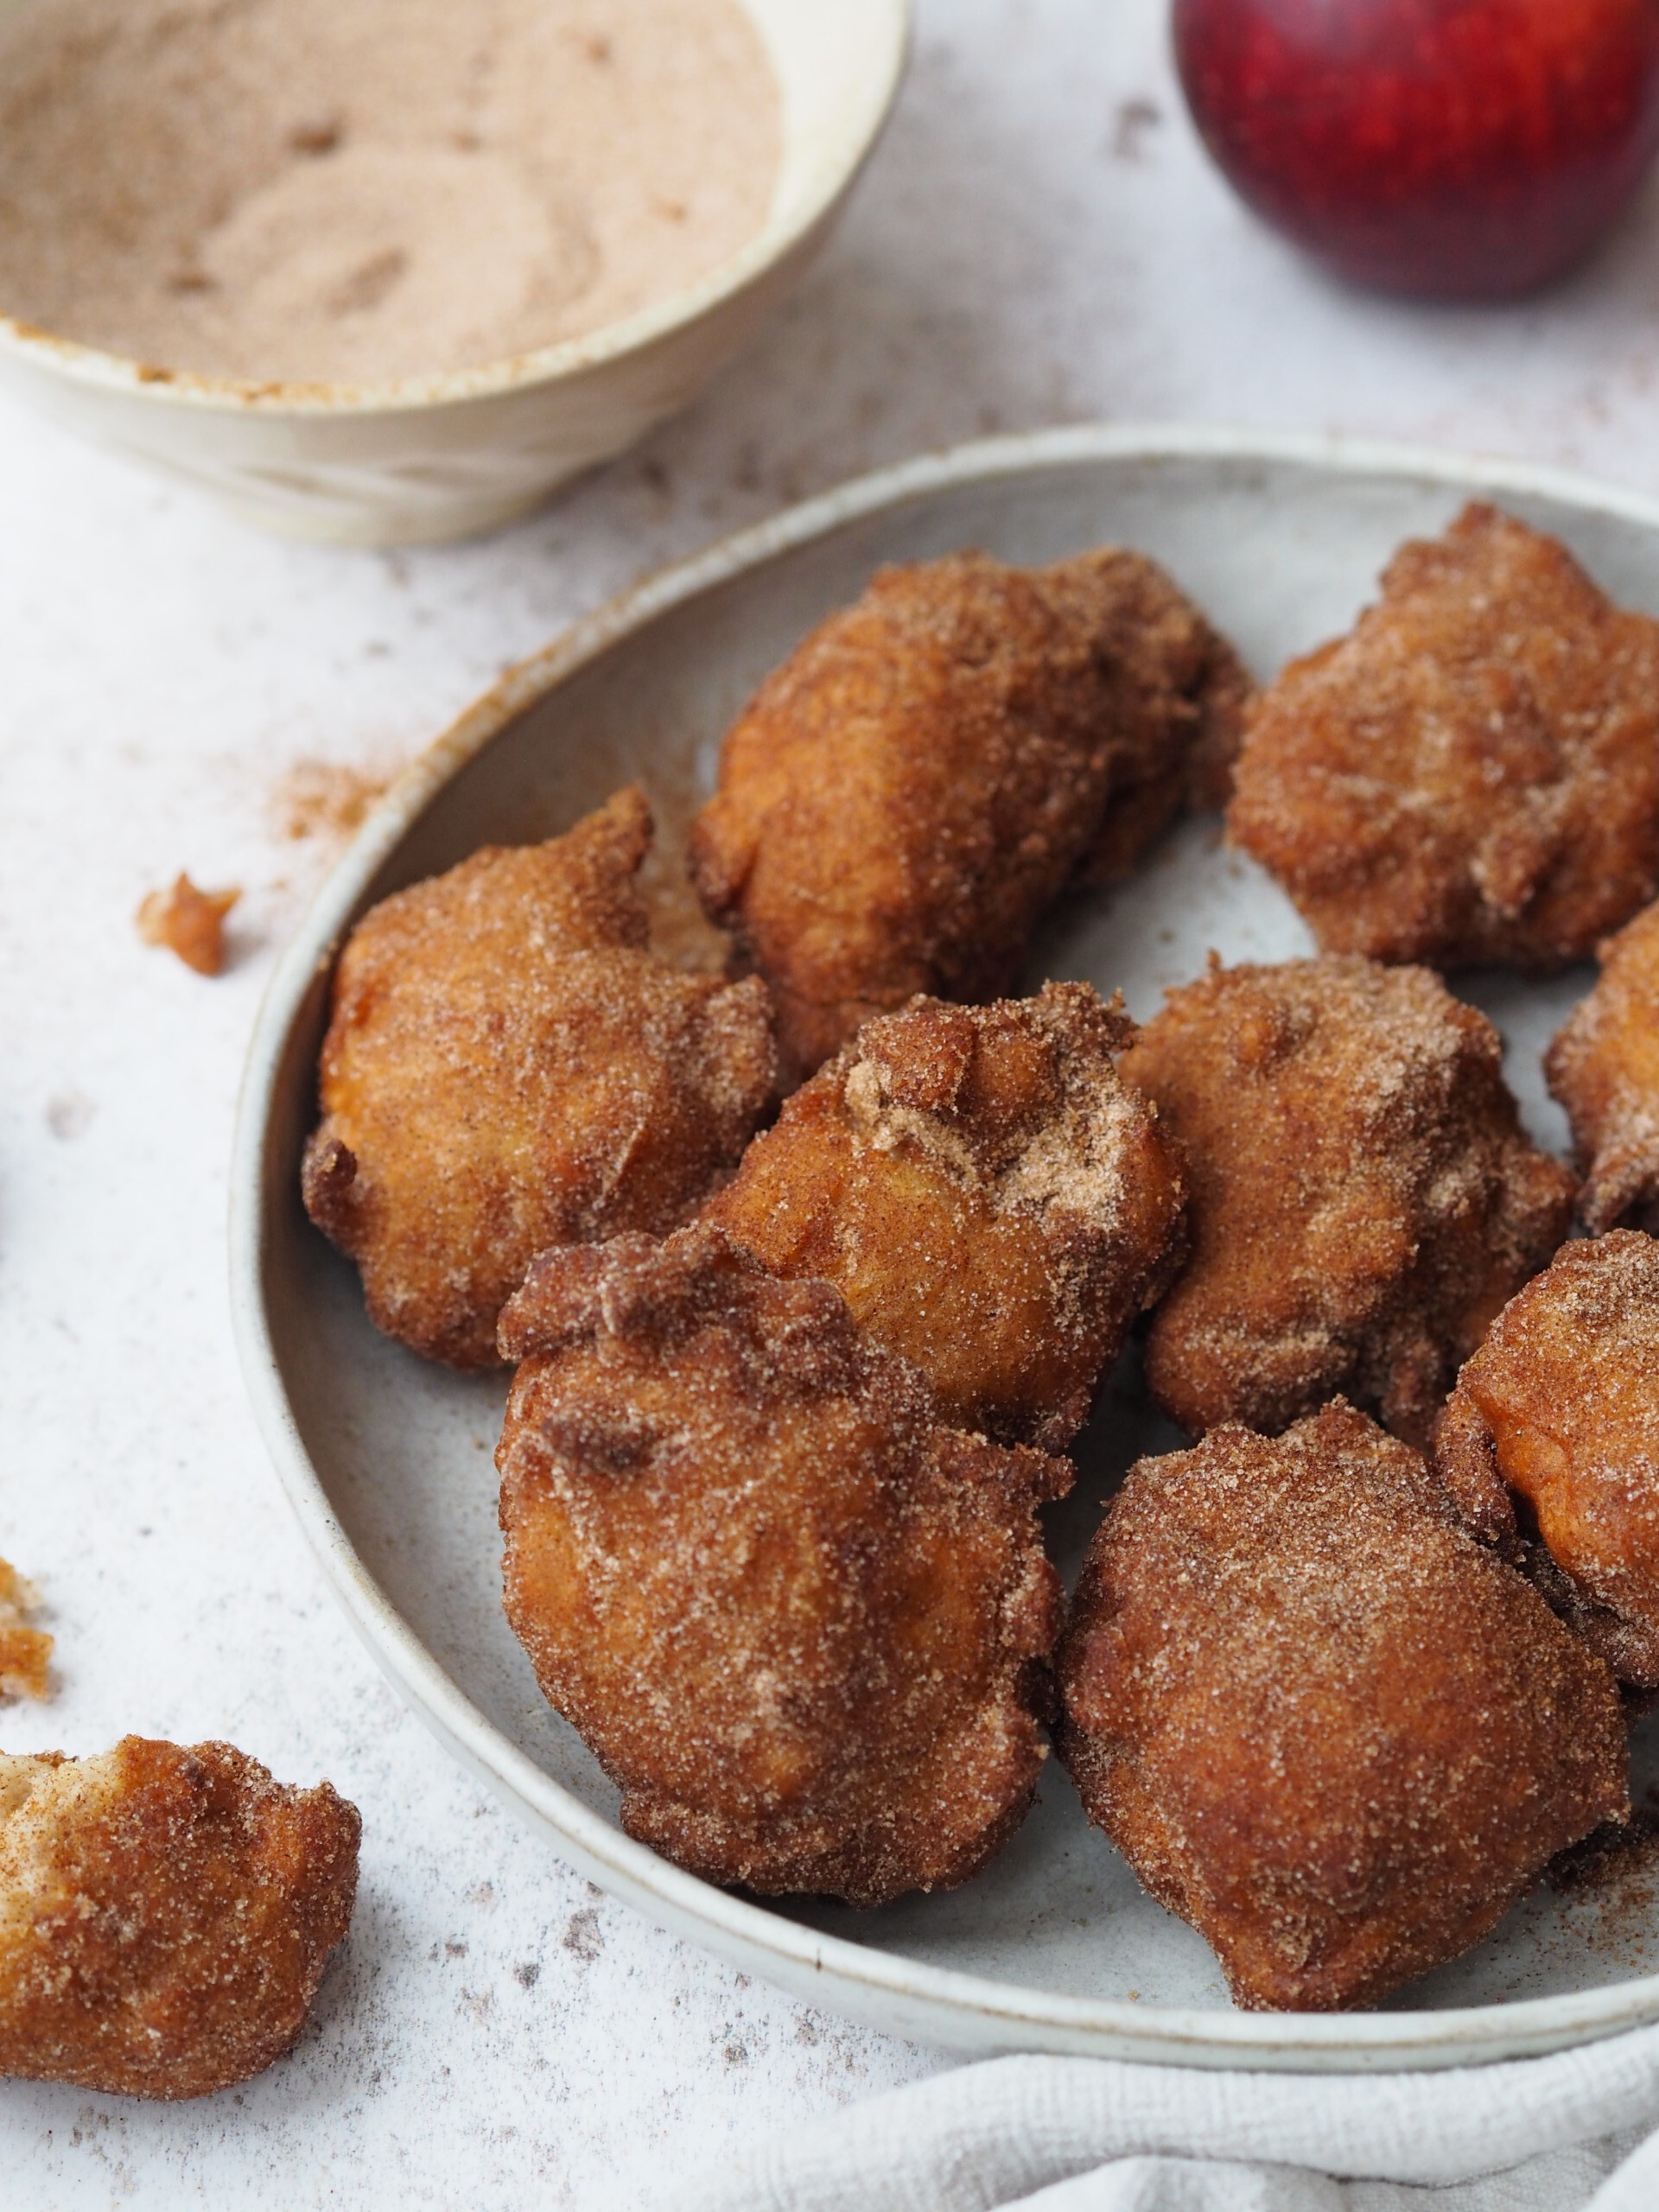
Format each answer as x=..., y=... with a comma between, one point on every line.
x=945, y=2005
x=866, y=118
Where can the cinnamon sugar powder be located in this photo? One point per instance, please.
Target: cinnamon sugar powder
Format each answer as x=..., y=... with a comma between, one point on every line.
x=358, y=190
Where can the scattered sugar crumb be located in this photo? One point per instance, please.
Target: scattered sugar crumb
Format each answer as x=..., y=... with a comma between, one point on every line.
x=69, y=1114
x=325, y=798
x=189, y=922
x=1618, y=1864
x=24, y=1651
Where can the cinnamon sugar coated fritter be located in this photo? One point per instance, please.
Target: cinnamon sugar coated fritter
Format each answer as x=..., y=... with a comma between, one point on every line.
x=903, y=799
x=991, y=1201
x=1558, y=1414
x=1324, y=1723
x=25, y=1652
x=508, y=1068
x=165, y=1914
x=802, y=1625
x=1472, y=773
x=1361, y=1198
x=1603, y=1067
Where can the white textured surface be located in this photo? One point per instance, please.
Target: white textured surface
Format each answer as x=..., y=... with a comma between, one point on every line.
x=1023, y=251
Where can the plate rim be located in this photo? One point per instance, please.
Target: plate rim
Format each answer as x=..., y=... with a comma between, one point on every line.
x=941, y=2005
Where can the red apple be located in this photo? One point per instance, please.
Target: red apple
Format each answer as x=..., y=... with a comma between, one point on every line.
x=1455, y=148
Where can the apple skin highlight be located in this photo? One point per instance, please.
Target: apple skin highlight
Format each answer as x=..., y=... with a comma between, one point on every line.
x=1455, y=150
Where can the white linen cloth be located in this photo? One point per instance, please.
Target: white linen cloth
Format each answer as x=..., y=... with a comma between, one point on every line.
x=1572, y=2133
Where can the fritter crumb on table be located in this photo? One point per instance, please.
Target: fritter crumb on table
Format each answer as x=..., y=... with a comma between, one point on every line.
x=991, y=1201
x=187, y=922
x=508, y=1068
x=1324, y=1723
x=165, y=1914
x=1550, y=1443
x=1361, y=1198
x=1472, y=773
x=904, y=798
x=802, y=1626
x=1603, y=1067
x=25, y=1652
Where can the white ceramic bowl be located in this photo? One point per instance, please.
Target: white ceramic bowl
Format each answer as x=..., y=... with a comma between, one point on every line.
x=386, y=1459
x=440, y=455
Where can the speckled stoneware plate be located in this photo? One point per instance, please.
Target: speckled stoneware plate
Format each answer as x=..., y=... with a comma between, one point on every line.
x=387, y=1461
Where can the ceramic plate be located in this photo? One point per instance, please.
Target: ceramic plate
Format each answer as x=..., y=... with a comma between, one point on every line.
x=387, y=1461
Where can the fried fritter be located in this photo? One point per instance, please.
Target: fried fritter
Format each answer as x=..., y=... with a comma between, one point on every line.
x=1322, y=1723
x=1472, y=773
x=165, y=1914
x=1603, y=1067
x=905, y=796
x=986, y=1196
x=1361, y=1199
x=803, y=1627
x=509, y=1068
x=1558, y=1415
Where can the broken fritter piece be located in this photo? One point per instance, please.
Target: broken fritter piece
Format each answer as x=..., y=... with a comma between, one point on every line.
x=903, y=799
x=1472, y=773
x=25, y=1652
x=509, y=1068
x=991, y=1201
x=1603, y=1067
x=1322, y=1723
x=803, y=1627
x=187, y=922
x=165, y=1914
x=1361, y=1199
x=1550, y=1443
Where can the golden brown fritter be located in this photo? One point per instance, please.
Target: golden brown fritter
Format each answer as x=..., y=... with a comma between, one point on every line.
x=805, y=1628
x=1361, y=1199
x=1603, y=1067
x=509, y=1068
x=165, y=1914
x=1321, y=1722
x=986, y=1196
x=905, y=796
x=1472, y=773
x=1558, y=1415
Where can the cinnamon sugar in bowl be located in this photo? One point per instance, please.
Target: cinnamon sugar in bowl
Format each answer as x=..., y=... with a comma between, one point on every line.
x=384, y=270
